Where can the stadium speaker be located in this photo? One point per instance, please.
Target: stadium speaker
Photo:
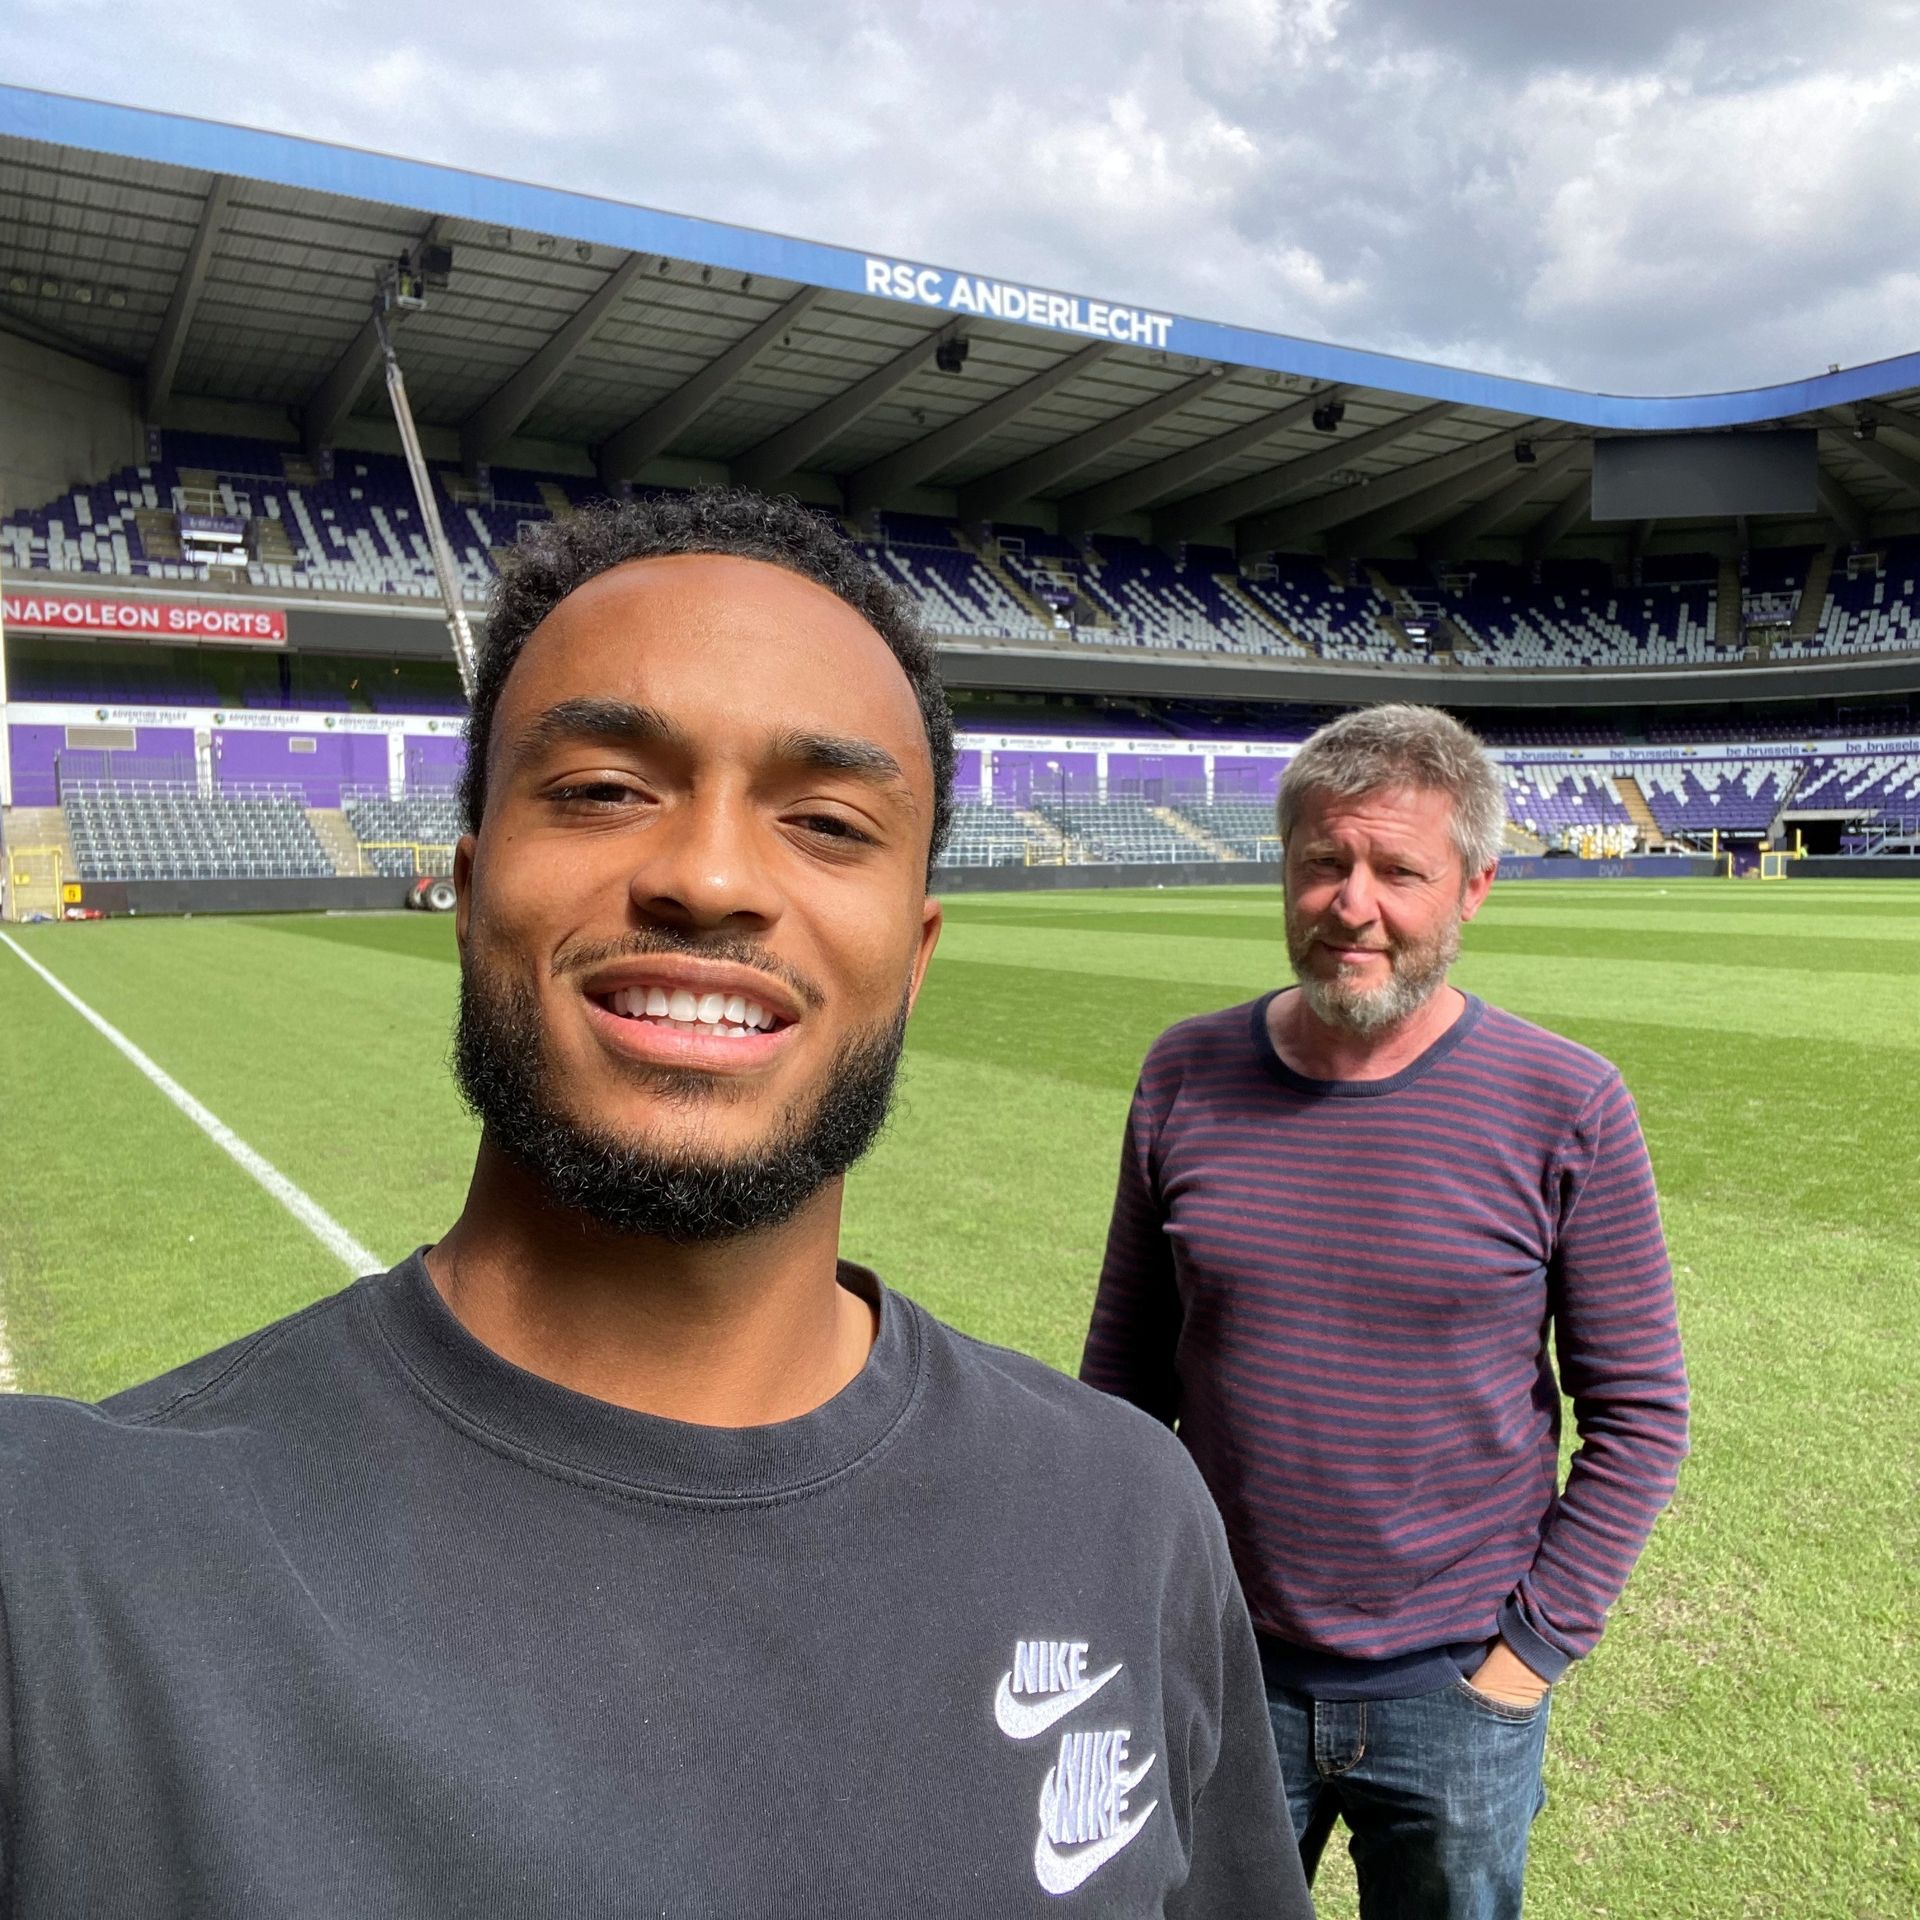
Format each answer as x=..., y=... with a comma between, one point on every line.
x=1327, y=417
x=433, y=262
x=950, y=355
x=1866, y=427
x=1523, y=455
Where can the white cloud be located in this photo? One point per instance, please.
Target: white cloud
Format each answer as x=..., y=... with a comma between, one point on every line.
x=1641, y=198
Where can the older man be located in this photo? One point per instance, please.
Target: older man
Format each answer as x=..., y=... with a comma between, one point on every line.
x=1356, y=1222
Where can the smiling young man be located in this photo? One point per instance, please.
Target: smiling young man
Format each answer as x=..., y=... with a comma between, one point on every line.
x=1355, y=1221
x=626, y=1551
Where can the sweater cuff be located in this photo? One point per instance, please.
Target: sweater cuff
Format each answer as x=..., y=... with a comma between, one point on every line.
x=1541, y=1655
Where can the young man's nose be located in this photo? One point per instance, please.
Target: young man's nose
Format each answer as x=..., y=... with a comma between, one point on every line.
x=705, y=864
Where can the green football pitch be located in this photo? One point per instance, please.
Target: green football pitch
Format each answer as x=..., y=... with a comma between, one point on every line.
x=1746, y=1741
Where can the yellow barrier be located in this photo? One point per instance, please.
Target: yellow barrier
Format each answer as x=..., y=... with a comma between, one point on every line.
x=36, y=881
x=425, y=856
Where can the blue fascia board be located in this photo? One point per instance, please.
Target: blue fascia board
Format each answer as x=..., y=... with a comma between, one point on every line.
x=284, y=160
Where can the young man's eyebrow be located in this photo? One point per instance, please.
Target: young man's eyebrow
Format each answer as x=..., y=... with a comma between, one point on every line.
x=624, y=723
x=616, y=722
x=840, y=753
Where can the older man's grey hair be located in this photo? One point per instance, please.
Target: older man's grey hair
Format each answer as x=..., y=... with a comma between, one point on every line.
x=1377, y=748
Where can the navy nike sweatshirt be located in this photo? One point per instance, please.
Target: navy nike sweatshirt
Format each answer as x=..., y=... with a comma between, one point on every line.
x=354, y=1617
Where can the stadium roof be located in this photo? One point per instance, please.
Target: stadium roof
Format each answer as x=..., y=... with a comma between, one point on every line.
x=222, y=263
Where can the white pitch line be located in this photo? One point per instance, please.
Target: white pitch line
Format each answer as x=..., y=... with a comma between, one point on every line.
x=311, y=1215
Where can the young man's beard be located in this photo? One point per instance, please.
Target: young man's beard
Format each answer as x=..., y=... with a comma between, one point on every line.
x=645, y=1186
x=1416, y=972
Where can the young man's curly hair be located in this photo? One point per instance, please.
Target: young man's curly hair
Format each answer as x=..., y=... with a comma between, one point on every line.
x=559, y=556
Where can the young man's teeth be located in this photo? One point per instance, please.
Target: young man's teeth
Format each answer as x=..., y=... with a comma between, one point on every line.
x=729, y=1014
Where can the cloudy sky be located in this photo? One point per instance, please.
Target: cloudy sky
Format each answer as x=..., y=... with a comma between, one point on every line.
x=1635, y=196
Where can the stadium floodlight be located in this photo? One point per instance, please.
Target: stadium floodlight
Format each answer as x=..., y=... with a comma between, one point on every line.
x=1328, y=415
x=950, y=355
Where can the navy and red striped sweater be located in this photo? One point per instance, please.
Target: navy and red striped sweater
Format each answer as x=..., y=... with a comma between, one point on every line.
x=1350, y=1295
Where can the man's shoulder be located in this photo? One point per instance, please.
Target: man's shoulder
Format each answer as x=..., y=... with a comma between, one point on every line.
x=51, y=1439
x=1039, y=1413
x=201, y=1383
x=1203, y=1041
x=1537, y=1058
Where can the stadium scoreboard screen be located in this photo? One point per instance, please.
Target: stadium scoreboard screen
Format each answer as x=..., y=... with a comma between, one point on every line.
x=1685, y=476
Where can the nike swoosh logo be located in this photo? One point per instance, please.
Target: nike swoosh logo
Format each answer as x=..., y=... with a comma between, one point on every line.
x=1060, y=1872
x=1022, y=1719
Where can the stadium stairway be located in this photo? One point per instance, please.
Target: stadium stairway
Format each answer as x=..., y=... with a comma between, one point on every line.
x=271, y=546
x=1813, y=596
x=1263, y=617
x=159, y=533
x=1635, y=802
x=988, y=556
x=1516, y=839
x=1203, y=841
x=34, y=882
x=336, y=839
x=1777, y=831
x=1051, y=847
x=1393, y=626
x=1727, y=606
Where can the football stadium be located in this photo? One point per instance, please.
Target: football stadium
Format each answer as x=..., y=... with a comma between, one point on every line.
x=270, y=410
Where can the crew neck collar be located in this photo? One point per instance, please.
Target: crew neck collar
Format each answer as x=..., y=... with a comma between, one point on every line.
x=1421, y=1064
x=552, y=1426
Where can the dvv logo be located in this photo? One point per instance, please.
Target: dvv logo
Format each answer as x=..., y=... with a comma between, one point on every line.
x=1047, y=1680
x=1085, y=1818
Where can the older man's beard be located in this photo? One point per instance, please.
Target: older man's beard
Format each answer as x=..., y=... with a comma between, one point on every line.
x=1417, y=971
x=653, y=1186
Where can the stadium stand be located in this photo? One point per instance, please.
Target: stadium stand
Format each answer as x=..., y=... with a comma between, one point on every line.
x=397, y=837
x=1872, y=610
x=1658, y=626
x=1882, y=786
x=130, y=817
x=161, y=833
x=1129, y=832
x=1335, y=620
x=1243, y=828
x=1565, y=805
x=1704, y=797
x=350, y=527
x=355, y=529
x=987, y=836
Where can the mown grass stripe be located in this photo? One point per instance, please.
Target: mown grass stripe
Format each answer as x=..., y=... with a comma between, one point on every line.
x=321, y=1224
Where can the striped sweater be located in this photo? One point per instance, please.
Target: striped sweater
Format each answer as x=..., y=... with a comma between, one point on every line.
x=1350, y=1297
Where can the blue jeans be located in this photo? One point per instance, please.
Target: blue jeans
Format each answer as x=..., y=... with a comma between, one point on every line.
x=1437, y=1791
